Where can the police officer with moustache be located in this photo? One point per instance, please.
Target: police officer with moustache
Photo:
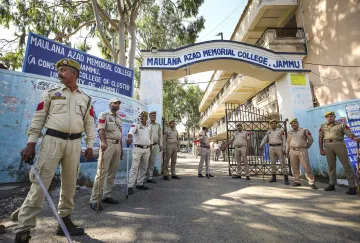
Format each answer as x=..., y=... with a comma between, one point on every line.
x=157, y=141
x=65, y=112
x=241, y=141
x=141, y=134
x=172, y=143
x=331, y=142
x=204, y=153
x=110, y=131
x=298, y=142
x=275, y=137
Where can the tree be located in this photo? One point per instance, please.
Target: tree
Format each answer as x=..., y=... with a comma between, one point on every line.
x=173, y=100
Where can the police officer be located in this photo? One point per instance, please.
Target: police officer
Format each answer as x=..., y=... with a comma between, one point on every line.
x=241, y=141
x=171, y=140
x=331, y=137
x=275, y=137
x=297, y=144
x=65, y=112
x=141, y=134
x=157, y=141
x=110, y=132
x=204, y=153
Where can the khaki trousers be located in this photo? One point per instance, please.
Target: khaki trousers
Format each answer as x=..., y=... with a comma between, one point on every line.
x=277, y=152
x=139, y=166
x=338, y=149
x=240, y=154
x=301, y=156
x=52, y=151
x=171, y=153
x=204, y=157
x=152, y=160
x=110, y=167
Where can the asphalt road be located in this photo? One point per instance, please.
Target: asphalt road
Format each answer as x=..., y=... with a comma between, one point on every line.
x=219, y=209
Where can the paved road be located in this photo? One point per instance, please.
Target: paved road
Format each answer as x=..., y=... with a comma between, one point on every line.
x=220, y=209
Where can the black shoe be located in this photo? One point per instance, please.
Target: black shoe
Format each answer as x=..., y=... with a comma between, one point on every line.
x=22, y=237
x=330, y=188
x=110, y=200
x=286, y=179
x=130, y=190
x=142, y=187
x=200, y=175
x=151, y=181
x=175, y=177
x=93, y=206
x=248, y=178
x=166, y=178
x=313, y=187
x=273, y=179
x=210, y=175
x=2, y=229
x=236, y=176
x=296, y=184
x=73, y=229
x=351, y=191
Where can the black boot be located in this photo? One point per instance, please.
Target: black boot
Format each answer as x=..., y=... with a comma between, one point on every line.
x=351, y=191
x=73, y=229
x=273, y=179
x=330, y=188
x=286, y=178
x=22, y=237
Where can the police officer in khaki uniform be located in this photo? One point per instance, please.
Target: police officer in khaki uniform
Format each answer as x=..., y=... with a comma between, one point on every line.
x=65, y=112
x=141, y=134
x=157, y=141
x=331, y=137
x=171, y=140
x=204, y=153
x=297, y=144
x=275, y=137
x=110, y=131
x=241, y=141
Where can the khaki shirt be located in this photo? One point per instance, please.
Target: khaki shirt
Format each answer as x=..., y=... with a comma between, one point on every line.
x=156, y=133
x=300, y=138
x=335, y=131
x=204, y=139
x=111, y=125
x=276, y=136
x=141, y=134
x=171, y=137
x=64, y=111
x=240, y=139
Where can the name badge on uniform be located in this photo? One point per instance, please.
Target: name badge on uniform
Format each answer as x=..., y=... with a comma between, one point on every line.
x=58, y=96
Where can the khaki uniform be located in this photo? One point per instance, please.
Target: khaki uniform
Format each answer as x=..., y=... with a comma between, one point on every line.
x=204, y=152
x=141, y=137
x=67, y=112
x=276, y=140
x=157, y=141
x=297, y=144
x=240, y=141
x=171, y=139
x=333, y=137
x=112, y=126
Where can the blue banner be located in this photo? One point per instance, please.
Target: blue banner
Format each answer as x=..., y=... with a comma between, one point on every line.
x=42, y=55
x=353, y=118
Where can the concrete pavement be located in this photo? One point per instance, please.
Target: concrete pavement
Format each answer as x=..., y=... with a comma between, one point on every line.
x=219, y=209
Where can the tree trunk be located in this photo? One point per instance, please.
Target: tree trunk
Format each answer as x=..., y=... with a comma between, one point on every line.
x=121, y=43
x=132, y=43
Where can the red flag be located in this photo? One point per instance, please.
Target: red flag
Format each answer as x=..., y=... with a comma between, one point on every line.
x=40, y=106
x=92, y=111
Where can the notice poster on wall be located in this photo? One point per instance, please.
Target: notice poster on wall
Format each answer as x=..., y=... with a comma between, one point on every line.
x=353, y=121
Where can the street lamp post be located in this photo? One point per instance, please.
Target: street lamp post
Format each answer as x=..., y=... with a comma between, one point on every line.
x=220, y=34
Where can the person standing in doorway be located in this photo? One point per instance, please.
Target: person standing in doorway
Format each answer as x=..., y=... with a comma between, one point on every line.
x=172, y=143
x=223, y=147
x=241, y=141
x=140, y=133
x=110, y=132
x=331, y=143
x=275, y=137
x=65, y=112
x=216, y=150
x=298, y=142
x=156, y=146
x=204, y=153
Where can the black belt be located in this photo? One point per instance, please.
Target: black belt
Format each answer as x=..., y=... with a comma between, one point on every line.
x=333, y=140
x=142, y=146
x=298, y=149
x=116, y=141
x=274, y=145
x=203, y=146
x=154, y=144
x=63, y=135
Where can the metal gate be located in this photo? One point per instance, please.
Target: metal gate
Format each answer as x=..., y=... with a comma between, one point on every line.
x=256, y=122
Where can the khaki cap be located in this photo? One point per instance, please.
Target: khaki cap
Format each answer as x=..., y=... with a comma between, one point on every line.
x=271, y=121
x=113, y=100
x=68, y=62
x=329, y=113
x=294, y=120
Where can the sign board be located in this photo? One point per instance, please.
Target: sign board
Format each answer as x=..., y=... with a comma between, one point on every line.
x=42, y=55
x=298, y=79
